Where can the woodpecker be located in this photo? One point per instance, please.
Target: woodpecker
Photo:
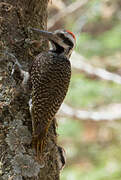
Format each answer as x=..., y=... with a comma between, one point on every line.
x=50, y=76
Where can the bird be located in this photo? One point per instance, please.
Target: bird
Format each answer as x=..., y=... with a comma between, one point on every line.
x=50, y=78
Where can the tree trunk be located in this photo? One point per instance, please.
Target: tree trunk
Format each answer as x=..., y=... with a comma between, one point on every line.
x=17, y=157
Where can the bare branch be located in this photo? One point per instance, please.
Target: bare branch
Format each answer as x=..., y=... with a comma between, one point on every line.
x=81, y=65
x=108, y=113
x=66, y=12
x=57, y=4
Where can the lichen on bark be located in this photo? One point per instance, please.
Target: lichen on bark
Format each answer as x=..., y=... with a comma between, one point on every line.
x=17, y=158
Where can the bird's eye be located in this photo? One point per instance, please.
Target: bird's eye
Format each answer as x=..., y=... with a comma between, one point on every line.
x=66, y=40
x=61, y=35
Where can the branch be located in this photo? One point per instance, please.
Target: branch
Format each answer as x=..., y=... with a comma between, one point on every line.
x=78, y=62
x=57, y=4
x=66, y=12
x=108, y=113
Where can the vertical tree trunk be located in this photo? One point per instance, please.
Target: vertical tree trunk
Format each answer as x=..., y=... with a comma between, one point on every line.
x=17, y=158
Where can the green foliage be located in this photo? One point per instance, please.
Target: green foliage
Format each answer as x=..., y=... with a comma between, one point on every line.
x=104, y=44
x=107, y=168
x=94, y=161
x=100, y=42
x=69, y=128
x=84, y=92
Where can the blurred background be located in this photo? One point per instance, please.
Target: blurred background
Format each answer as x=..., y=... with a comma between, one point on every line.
x=90, y=118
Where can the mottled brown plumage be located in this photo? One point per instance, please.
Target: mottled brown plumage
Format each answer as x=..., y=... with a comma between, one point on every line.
x=50, y=77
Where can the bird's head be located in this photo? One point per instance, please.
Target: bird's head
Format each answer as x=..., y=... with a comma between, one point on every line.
x=62, y=41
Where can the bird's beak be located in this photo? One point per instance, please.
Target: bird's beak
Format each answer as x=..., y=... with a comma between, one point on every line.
x=46, y=34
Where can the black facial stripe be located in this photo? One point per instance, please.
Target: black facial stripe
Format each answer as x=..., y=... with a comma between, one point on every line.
x=59, y=49
x=61, y=35
x=66, y=40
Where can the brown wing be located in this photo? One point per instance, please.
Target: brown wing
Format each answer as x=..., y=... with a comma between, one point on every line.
x=50, y=78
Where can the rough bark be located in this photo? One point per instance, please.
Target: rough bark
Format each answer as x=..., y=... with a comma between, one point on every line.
x=17, y=157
